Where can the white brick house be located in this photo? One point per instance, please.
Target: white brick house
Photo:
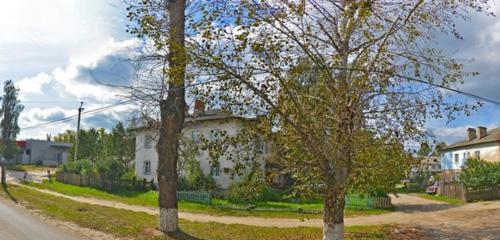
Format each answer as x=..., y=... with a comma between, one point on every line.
x=203, y=123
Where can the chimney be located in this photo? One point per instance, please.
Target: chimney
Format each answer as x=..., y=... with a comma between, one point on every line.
x=199, y=107
x=471, y=134
x=481, y=132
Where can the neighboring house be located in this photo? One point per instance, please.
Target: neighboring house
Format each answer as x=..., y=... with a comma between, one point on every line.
x=430, y=165
x=201, y=123
x=47, y=153
x=480, y=143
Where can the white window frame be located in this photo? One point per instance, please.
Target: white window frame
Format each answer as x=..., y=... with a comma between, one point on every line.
x=477, y=154
x=196, y=136
x=148, y=142
x=147, y=170
x=215, y=170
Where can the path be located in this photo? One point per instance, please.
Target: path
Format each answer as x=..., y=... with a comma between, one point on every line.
x=443, y=221
x=18, y=224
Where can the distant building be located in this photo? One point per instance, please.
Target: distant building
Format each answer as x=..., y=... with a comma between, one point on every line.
x=429, y=165
x=201, y=123
x=480, y=143
x=41, y=152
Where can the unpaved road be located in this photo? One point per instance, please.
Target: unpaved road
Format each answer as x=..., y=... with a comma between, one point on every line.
x=18, y=224
x=440, y=220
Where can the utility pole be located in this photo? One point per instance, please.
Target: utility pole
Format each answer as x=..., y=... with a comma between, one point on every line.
x=80, y=109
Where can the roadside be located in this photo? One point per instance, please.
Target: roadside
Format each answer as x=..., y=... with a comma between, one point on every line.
x=17, y=223
x=126, y=224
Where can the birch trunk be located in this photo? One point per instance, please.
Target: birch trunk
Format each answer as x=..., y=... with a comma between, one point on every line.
x=172, y=111
x=333, y=216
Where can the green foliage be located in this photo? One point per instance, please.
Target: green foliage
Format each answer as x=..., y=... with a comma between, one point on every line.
x=379, y=167
x=191, y=176
x=250, y=188
x=110, y=168
x=9, y=114
x=82, y=167
x=480, y=173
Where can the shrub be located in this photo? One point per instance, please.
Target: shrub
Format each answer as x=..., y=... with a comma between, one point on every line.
x=111, y=169
x=82, y=167
x=480, y=173
x=250, y=188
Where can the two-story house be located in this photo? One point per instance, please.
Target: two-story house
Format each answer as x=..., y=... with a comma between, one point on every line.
x=200, y=123
x=480, y=143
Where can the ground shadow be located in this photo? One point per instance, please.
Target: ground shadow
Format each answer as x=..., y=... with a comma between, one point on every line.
x=411, y=208
x=180, y=235
x=446, y=232
x=6, y=190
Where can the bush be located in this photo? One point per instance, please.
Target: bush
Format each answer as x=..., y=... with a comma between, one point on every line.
x=250, y=188
x=110, y=169
x=82, y=167
x=480, y=173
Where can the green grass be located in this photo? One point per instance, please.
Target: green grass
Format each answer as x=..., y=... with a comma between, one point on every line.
x=442, y=198
x=150, y=199
x=136, y=225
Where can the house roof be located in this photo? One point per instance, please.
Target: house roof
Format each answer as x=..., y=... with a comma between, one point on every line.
x=491, y=136
x=213, y=114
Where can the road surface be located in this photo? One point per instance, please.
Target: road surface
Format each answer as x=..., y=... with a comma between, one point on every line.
x=18, y=224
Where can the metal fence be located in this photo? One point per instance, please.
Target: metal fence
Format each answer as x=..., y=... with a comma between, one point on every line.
x=195, y=196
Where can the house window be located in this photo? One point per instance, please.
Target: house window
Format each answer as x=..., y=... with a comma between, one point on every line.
x=260, y=146
x=465, y=156
x=468, y=155
x=147, y=167
x=148, y=142
x=477, y=154
x=456, y=158
x=195, y=136
x=215, y=170
x=28, y=151
x=215, y=134
x=59, y=157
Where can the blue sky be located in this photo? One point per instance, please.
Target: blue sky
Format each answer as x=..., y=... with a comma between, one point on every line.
x=53, y=49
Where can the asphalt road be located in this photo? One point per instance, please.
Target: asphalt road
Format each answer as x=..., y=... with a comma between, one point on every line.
x=18, y=224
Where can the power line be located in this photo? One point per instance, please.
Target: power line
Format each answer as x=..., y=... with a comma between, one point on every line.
x=66, y=119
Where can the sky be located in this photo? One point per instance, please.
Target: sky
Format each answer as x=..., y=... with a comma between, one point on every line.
x=55, y=50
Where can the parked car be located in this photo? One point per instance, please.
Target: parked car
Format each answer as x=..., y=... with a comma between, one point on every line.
x=432, y=189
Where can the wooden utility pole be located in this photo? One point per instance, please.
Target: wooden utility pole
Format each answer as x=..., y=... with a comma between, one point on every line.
x=80, y=110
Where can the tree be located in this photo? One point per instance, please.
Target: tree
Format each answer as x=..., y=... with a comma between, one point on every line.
x=331, y=76
x=11, y=108
x=163, y=23
x=425, y=149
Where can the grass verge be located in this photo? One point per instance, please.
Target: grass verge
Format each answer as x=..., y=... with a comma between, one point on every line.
x=136, y=225
x=151, y=199
x=442, y=198
x=28, y=168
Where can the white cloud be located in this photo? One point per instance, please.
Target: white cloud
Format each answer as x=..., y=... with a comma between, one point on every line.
x=33, y=84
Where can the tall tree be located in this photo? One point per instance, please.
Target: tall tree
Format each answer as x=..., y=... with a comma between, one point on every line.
x=11, y=108
x=163, y=23
x=331, y=76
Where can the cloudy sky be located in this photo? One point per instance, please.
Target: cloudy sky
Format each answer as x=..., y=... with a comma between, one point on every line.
x=55, y=49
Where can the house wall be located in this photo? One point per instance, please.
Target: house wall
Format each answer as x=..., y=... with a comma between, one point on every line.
x=45, y=152
x=231, y=126
x=488, y=152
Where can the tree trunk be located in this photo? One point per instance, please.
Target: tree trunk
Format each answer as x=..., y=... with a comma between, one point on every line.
x=333, y=216
x=3, y=173
x=172, y=112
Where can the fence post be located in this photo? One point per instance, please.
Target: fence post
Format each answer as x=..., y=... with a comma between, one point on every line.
x=144, y=184
x=152, y=184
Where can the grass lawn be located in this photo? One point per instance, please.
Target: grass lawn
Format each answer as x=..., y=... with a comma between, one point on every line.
x=28, y=168
x=442, y=198
x=136, y=225
x=150, y=199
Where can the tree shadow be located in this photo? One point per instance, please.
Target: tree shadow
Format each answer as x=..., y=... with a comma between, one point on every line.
x=180, y=235
x=6, y=190
x=409, y=208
